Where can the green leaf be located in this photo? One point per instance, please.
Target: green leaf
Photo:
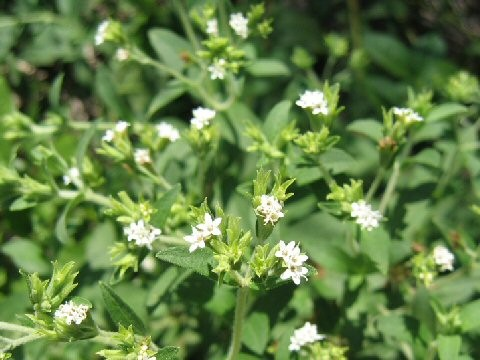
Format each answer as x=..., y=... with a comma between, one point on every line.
x=169, y=47
x=21, y=204
x=107, y=92
x=337, y=160
x=55, y=91
x=97, y=244
x=277, y=119
x=26, y=255
x=256, y=332
x=429, y=157
x=268, y=68
x=375, y=245
x=445, y=111
x=163, y=283
x=200, y=261
x=172, y=91
x=7, y=104
x=449, y=347
x=119, y=310
x=61, y=231
x=470, y=316
x=163, y=206
x=83, y=146
x=389, y=53
x=370, y=128
x=168, y=353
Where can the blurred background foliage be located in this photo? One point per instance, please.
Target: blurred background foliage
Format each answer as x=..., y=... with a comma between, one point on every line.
x=376, y=51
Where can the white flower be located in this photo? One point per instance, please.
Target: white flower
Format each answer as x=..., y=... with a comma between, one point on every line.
x=293, y=260
x=218, y=69
x=72, y=313
x=202, y=117
x=142, y=156
x=122, y=54
x=443, y=258
x=101, y=31
x=366, y=217
x=407, y=115
x=121, y=126
x=196, y=239
x=239, y=24
x=270, y=209
x=143, y=234
x=109, y=136
x=212, y=27
x=307, y=334
x=143, y=353
x=72, y=176
x=210, y=227
x=167, y=131
x=314, y=100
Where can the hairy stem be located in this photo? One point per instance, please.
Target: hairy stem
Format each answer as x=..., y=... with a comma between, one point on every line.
x=240, y=309
x=392, y=183
x=14, y=327
x=186, y=24
x=14, y=343
x=326, y=175
x=90, y=196
x=375, y=184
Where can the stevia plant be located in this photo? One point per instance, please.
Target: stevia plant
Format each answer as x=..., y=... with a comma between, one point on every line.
x=232, y=190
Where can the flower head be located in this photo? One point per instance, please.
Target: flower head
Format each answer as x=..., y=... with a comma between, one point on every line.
x=212, y=27
x=121, y=126
x=443, y=258
x=122, y=54
x=72, y=176
x=210, y=227
x=101, y=32
x=167, y=131
x=142, y=156
x=143, y=234
x=407, y=115
x=313, y=100
x=72, y=313
x=109, y=136
x=239, y=24
x=196, y=239
x=293, y=260
x=270, y=209
x=307, y=334
x=218, y=69
x=202, y=117
x=145, y=353
x=366, y=217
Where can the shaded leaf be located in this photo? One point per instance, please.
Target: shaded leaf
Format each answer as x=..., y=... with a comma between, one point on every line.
x=268, y=68
x=163, y=206
x=199, y=261
x=26, y=255
x=256, y=332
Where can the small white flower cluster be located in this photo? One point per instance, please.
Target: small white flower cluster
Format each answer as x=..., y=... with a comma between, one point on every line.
x=270, y=209
x=167, y=131
x=294, y=260
x=218, y=69
x=142, y=156
x=367, y=218
x=72, y=176
x=212, y=27
x=202, y=232
x=72, y=313
x=143, y=234
x=407, y=114
x=305, y=335
x=313, y=100
x=120, y=127
x=202, y=117
x=443, y=258
x=143, y=353
x=122, y=54
x=239, y=24
x=101, y=31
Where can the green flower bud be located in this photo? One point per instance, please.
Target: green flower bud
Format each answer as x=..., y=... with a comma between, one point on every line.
x=463, y=87
x=316, y=142
x=337, y=45
x=302, y=58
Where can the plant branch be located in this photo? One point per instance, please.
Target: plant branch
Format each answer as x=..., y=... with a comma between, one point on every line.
x=375, y=184
x=240, y=309
x=392, y=183
x=14, y=327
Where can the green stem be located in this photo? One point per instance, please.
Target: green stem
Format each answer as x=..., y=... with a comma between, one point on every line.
x=157, y=179
x=392, y=183
x=90, y=196
x=375, y=184
x=327, y=70
x=355, y=23
x=186, y=24
x=14, y=327
x=326, y=175
x=21, y=341
x=240, y=309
